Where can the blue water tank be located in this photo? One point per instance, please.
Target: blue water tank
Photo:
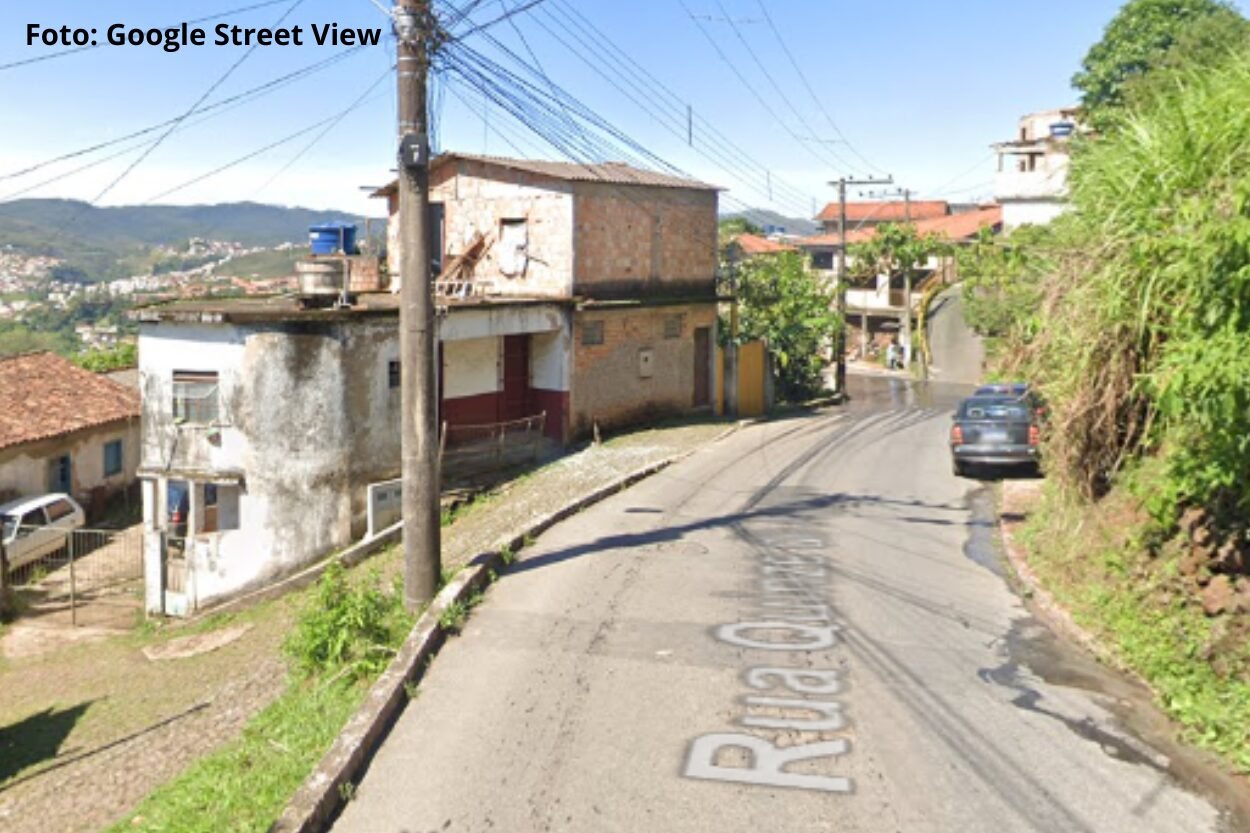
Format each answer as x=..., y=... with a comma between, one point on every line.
x=1061, y=129
x=332, y=238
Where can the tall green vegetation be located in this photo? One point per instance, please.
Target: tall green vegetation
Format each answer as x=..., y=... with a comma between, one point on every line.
x=1146, y=44
x=1141, y=337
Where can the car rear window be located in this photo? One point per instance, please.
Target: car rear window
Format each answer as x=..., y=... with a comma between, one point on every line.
x=59, y=509
x=995, y=411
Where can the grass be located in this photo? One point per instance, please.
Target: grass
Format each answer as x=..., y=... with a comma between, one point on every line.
x=245, y=785
x=1093, y=560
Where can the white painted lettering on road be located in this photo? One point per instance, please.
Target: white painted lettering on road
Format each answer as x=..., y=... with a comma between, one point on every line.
x=798, y=680
x=807, y=637
x=767, y=763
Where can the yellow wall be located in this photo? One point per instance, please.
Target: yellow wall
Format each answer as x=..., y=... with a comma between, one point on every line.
x=751, y=369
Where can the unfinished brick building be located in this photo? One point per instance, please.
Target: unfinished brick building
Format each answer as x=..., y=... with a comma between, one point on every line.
x=631, y=255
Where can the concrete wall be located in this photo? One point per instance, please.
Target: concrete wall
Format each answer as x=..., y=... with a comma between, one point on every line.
x=478, y=199
x=307, y=416
x=1031, y=212
x=24, y=468
x=634, y=241
x=608, y=383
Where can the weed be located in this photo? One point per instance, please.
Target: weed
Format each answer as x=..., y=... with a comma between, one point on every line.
x=347, y=791
x=347, y=630
x=507, y=555
x=453, y=617
x=411, y=689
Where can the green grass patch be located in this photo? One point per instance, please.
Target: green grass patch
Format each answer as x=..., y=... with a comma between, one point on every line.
x=245, y=785
x=1092, y=558
x=347, y=631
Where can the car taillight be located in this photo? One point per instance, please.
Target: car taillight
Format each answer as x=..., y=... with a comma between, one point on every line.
x=1035, y=435
x=957, y=435
x=176, y=517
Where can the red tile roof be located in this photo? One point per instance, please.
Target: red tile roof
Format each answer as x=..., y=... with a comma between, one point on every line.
x=43, y=395
x=885, y=212
x=953, y=227
x=753, y=244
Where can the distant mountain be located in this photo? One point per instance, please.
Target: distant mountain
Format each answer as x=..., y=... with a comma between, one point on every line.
x=764, y=217
x=101, y=241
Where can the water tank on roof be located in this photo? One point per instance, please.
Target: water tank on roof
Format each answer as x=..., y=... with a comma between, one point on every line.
x=1062, y=129
x=333, y=238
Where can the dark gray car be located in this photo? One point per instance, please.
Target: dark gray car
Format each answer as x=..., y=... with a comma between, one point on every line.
x=995, y=431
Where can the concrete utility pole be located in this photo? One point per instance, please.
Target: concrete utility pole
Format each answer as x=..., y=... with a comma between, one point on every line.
x=419, y=430
x=907, y=351
x=841, y=346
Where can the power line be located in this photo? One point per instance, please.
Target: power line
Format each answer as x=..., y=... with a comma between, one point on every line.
x=212, y=88
x=506, y=16
x=750, y=88
x=331, y=121
x=217, y=107
x=803, y=77
x=771, y=80
x=654, y=93
x=62, y=53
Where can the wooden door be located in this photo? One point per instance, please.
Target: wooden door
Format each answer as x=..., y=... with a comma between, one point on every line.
x=515, y=403
x=702, y=367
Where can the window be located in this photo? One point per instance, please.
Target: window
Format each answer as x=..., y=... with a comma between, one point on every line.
x=113, y=458
x=513, y=246
x=195, y=397
x=592, y=332
x=59, y=509
x=392, y=375
x=672, y=326
x=59, y=469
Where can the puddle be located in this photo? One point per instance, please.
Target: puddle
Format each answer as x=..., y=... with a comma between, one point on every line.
x=982, y=546
x=1137, y=732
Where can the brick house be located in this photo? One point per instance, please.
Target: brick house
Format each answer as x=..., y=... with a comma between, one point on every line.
x=630, y=253
x=65, y=429
x=585, y=295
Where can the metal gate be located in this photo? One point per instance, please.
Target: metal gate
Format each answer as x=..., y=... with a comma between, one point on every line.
x=91, y=577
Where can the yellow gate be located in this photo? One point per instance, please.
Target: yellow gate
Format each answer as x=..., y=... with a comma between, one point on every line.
x=752, y=370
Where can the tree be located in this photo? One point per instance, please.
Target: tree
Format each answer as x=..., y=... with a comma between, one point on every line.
x=1001, y=281
x=781, y=301
x=121, y=357
x=733, y=226
x=897, y=250
x=1153, y=35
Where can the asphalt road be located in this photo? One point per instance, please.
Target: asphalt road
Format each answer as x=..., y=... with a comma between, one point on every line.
x=802, y=628
x=958, y=352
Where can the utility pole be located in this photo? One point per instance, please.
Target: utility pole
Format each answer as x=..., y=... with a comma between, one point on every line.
x=422, y=544
x=907, y=350
x=842, y=183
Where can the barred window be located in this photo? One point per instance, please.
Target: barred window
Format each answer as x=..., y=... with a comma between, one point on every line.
x=195, y=397
x=672, y=326
x=592, y=332
x=393, y=379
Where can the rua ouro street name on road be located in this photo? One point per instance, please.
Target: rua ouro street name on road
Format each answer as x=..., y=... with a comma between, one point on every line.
x=792, y=622
x=174, y=38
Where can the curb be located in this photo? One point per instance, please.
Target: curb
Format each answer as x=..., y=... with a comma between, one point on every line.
x=322, y=794
x=1054, y=615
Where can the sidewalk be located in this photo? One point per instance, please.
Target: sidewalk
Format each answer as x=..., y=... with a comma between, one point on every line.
x=100, y=726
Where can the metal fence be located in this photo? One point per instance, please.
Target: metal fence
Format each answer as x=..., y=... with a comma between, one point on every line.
x=474, y=449
x=95, y=576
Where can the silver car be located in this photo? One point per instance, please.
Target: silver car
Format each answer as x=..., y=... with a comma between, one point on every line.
x=34, y=527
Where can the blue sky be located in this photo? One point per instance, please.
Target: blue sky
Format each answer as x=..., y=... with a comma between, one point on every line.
x=920, y=89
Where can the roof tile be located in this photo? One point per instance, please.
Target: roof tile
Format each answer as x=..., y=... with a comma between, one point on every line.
x=43, y=395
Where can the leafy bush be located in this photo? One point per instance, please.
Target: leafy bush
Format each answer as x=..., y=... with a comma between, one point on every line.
x=782, y=302
x=348, y=629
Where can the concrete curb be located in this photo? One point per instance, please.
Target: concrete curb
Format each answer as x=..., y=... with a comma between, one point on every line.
x=1051, y=612
x=321, y=795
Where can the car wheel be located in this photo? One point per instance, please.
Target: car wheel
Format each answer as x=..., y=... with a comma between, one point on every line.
x=959, y=469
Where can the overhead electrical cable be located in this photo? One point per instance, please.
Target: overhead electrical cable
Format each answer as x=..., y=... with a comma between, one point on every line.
x=216, y=108
x=63, y=52
x=204, y=97
x=810, y=91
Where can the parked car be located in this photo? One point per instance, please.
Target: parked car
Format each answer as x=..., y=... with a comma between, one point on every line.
x=999, y=429
x=33, y=528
